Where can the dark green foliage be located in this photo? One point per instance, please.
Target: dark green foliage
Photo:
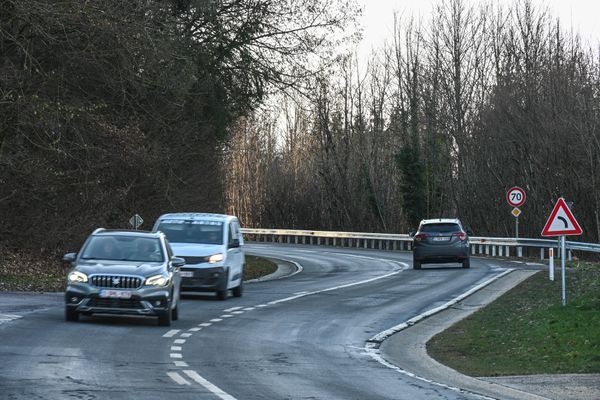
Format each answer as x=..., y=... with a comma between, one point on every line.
x=412, y=187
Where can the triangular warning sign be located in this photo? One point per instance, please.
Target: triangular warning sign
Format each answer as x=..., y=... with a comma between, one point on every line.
x=561, y=221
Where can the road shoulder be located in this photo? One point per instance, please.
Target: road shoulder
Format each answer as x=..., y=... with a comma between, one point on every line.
x=417, y=361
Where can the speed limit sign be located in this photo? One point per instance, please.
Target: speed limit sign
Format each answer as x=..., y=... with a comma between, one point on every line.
x=516, y=196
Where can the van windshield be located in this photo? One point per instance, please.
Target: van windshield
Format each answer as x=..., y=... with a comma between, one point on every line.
x=192, y=231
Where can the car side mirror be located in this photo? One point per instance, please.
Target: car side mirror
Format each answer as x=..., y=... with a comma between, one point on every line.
x=69, y=257
x=177, y=262
x=470, y=232
x=411, y=233
x=235, y=243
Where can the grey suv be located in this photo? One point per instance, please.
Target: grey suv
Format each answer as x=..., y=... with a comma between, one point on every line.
x=124, y=272
x=441, y=240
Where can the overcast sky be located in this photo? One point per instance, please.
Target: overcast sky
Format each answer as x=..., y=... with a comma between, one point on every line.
x=377, y=19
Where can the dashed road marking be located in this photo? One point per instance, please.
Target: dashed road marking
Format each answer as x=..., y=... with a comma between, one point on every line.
x=171, y=333
x=237, y=312
x=249, y=309
x=175, y=348
x=181, y=364
x=175, y=355
x=209, y=386
x=262, y=305
x=216, y=320
x=205, y=324
x=186, y=335
x=232, y=309
x=226, y=316
x=194, y=329
x=177, y=378
x=179, y=341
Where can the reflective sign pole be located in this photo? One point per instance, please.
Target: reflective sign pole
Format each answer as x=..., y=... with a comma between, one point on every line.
x=551, y=265
x=563, y=269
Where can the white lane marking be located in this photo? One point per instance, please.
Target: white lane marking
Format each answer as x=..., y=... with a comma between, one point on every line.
x=176, y=355
x=205, y=324
x=175, y=348
x=301, y=292
x=171, y=333
x=404, y=265
x=376, y=355
x=194, y=329
x=209, y=386
x=186, y=335
x=216, y=320
x=372, y=345
x=179, y=341
x=249, y=309
x=181, y=364
x=177, y=378
x=380, y=337
x=226, y=316
x=9, y=317
x=232, y=309
x=262, y=305
x=237, y=312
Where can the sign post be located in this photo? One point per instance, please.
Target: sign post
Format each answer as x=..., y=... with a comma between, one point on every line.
x=136, y=221
x=562, y=222
x=515, y=196
x=551, y=263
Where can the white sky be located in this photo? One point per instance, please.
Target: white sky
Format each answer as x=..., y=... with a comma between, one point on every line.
x=377, y=19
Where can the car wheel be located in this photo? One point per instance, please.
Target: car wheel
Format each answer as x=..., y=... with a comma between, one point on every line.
x=164, y=319
x=71, y=315
x=237, y=291
x=466, y=263
x=222, y=294
x=416, y=264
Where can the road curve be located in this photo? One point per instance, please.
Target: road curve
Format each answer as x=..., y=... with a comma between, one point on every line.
x=301, y=337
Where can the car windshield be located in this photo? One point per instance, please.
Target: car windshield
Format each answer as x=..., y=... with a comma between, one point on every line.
x=440, y=228
x=123, y=248
x=195, y=231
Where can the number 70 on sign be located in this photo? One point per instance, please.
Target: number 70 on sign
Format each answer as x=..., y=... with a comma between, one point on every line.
x=515, y=196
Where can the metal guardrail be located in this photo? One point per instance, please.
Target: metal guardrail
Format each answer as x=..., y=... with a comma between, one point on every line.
x=491, y=246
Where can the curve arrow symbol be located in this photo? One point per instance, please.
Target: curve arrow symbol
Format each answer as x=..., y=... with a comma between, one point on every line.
x=564, y=220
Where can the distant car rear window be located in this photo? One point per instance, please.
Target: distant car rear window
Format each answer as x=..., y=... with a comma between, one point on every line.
x=441, y=228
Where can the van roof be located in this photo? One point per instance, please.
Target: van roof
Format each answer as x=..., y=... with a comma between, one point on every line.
x=198, y=216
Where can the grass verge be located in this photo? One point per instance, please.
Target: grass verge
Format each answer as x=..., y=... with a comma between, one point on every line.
x=528, y=331
x=48, y=273
x=257, y=267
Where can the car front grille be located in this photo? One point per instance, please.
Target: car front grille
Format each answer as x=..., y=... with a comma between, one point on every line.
x=116, y=281
x=193, y=260
x=115, y=303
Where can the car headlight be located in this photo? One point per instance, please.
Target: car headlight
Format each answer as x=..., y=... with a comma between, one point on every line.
x=215, y=258
x=77, y=277
x=157, y=280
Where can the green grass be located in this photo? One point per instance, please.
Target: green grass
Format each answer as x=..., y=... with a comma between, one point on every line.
x=48, y=273
x=528, y=331
x=257, y=267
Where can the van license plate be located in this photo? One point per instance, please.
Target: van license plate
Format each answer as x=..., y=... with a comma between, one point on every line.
x=187, y=274
x=115, y=294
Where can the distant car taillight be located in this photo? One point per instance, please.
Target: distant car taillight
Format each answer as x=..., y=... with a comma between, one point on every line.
x=420, y=236
x=461, y=235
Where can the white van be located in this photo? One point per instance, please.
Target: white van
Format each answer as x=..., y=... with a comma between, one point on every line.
x=212, y=247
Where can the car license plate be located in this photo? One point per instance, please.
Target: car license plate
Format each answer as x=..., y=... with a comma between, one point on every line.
x=440, y=239
x=187, y=274
x=115, y=294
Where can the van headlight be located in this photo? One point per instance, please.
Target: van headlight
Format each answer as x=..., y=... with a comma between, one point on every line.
x=157, y=280
x=77, y=277
x=215, y=258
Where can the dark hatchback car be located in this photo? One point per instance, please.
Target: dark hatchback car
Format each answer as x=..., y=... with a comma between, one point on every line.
x=442, y=240
x=125, y=273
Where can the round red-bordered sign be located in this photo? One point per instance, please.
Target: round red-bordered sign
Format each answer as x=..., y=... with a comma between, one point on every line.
x=516, y=196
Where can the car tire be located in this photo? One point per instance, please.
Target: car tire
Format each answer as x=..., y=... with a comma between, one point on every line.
x=71, y=315
x=416, y=264
x=222, y=294
x=164, y=319
x=466, y=263
x=237, y=291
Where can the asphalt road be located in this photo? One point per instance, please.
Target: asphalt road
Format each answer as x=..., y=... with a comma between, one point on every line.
x=300, y=337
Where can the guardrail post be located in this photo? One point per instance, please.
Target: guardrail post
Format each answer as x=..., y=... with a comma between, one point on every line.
x=507, y=252
x=520, y=252
x=570, y=255
x=493, y=251
x=487, y=249
x=542, y=253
